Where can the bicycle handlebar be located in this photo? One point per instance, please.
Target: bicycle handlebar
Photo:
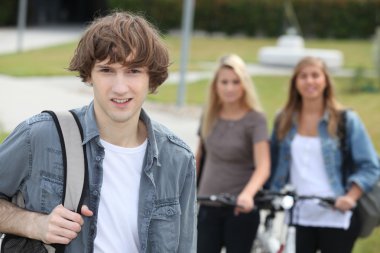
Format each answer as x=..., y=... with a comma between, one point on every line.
x=265, y=199
x=224, y=199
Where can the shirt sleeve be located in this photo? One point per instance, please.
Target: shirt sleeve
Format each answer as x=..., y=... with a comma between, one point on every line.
x=259, y=128
x=15, y=155
x=188, y=236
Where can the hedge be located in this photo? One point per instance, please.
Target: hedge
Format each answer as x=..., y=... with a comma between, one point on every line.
x=323, y=18
x=317, y=18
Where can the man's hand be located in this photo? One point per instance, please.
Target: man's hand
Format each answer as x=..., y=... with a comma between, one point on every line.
x=61, y=225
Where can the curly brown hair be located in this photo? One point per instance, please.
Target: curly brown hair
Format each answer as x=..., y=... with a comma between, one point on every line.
x=125, y=38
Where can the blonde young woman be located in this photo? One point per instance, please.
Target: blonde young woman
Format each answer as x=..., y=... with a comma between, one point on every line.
x=305, y=152
x=234, y=135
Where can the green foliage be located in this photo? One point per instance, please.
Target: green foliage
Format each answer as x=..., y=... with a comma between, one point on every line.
x=360, y=83
x=2, y=136
x=322, y=19
x=8, y=12
x=165, y=14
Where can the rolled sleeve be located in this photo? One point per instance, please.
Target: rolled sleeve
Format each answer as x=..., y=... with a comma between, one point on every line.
x=363, y=153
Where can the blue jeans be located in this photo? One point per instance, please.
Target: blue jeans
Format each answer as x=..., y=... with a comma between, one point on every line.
x=219, y=226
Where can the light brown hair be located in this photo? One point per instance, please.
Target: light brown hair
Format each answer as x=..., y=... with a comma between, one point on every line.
x=294, y=102
x=125, y=38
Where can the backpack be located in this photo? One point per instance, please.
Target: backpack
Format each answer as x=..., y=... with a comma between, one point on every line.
x=75, y=166
x=369, y=204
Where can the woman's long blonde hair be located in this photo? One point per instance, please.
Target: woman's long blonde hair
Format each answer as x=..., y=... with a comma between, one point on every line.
x=214, y=104
x=294, y=102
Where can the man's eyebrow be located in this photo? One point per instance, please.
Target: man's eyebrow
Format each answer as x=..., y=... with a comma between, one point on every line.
x=102, y=66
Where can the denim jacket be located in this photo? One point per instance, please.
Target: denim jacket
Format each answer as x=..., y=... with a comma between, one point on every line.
x=367, y=170
x=31, y=162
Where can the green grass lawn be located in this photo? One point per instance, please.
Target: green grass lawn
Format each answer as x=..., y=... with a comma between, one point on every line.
x=54, y=60
x=49, y=61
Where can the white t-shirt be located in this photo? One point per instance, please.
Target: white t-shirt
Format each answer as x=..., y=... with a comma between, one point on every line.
x=308, y=176
x=117, y=228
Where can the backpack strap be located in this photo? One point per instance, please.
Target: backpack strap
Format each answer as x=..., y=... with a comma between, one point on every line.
x=344, y=147
x=74, y=157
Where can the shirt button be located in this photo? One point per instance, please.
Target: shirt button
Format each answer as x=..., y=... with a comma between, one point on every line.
x=98, y=158
x=95, y=193
x=169, y=212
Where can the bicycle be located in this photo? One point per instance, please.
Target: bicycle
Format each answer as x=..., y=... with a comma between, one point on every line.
x=272, y=203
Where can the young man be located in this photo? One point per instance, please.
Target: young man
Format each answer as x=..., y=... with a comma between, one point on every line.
x=140, y=194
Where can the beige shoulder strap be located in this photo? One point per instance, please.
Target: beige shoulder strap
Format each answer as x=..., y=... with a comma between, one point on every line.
x=75, y=158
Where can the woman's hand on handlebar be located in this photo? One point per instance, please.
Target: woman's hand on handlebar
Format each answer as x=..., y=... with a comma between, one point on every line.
x=345, y=203
x=244, y=203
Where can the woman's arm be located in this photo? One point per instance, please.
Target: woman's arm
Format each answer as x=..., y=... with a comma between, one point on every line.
x=258, y=178
x=198, y=156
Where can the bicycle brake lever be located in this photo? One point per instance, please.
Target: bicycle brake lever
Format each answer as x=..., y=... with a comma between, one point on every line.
x=328, y=203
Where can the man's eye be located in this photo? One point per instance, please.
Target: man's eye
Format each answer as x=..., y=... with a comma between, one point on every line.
x=105, y=70
x=134, y=71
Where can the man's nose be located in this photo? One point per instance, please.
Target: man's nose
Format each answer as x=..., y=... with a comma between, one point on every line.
x=120, y=84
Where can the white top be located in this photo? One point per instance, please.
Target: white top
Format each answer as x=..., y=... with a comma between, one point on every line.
x=117, y=228
x=308, y=176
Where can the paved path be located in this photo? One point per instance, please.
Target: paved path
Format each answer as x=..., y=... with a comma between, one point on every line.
x=37, y=37
x=23, y=97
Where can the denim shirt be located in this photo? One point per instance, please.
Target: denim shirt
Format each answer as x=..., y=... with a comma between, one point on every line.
x=367, y=170
x=31, y=162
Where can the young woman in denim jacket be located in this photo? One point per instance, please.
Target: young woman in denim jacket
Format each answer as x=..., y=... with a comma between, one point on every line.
x=306, y=153
x=234, y=134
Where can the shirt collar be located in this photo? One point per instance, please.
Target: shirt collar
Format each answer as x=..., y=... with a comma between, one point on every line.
x=90, y=130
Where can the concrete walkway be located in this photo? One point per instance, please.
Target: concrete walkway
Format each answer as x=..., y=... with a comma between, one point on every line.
x=23, y=97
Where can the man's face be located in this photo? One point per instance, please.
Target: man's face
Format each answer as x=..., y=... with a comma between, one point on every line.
x=119, y=92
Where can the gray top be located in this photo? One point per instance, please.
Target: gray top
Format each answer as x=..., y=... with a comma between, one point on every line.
x=229, y=153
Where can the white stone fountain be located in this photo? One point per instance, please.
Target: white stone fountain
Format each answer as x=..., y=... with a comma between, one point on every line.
x=290, y=49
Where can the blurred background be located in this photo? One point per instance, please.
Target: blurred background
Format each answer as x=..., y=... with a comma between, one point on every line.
x=38, y=38
x=265, y=18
